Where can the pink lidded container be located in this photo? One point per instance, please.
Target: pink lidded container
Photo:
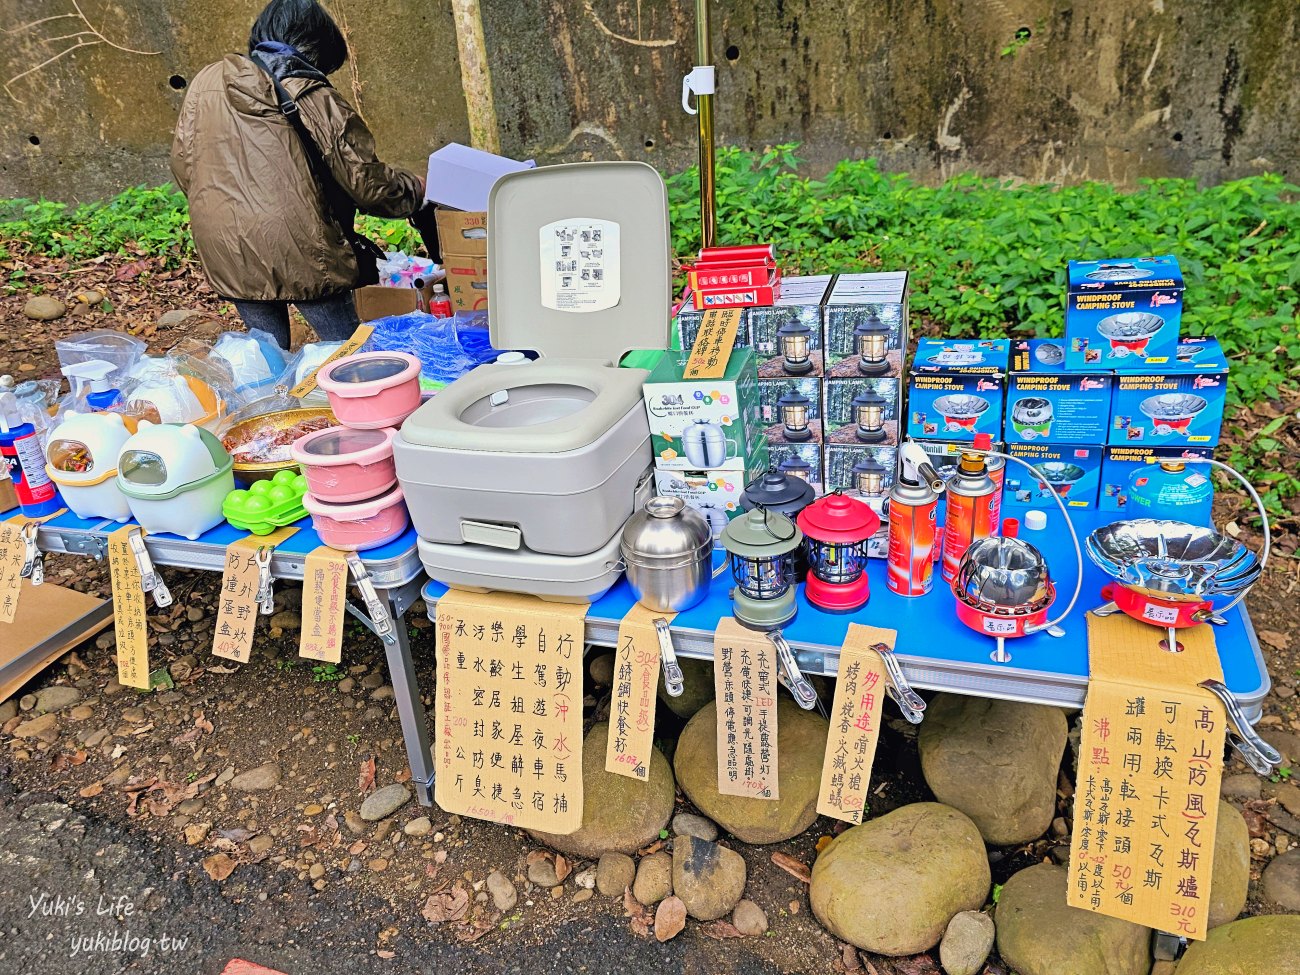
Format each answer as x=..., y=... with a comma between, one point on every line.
x=360, y=525
x=372, y=390
x=342, y=464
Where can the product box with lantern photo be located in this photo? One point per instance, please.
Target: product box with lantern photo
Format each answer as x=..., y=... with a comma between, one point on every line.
x=801, y=460
x=787, y=336
x=863, y=411
x=865, y=323
x=792, y=410
x=864, y=471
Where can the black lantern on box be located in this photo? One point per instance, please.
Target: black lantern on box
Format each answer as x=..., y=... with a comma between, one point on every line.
x=796, y=339
x=869, y=478
x=796, y=466
x=869, y=413
x=794, y=416
x=871, y=343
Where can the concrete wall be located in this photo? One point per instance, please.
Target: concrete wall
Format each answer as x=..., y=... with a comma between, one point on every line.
x=1106, y=89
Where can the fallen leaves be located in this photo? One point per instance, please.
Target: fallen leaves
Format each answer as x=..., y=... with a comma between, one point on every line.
x=366, y=777
x=92, y=790
x=639, y=917
x=219, y=866
x=160, y=796
x=1275, y=639
x=795, y=868
x=202, y=726
x=720, y=930
x=450, y=905
x=64, y=761
x=670, y=918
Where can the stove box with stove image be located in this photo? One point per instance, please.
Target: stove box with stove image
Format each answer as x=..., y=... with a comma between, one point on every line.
x=1074, y=470
x=1047, y=402
x=1120, y=461
x=1180, y=405
x=956, y=389
x=1122, y=314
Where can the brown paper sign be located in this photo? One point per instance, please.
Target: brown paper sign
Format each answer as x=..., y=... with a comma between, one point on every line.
x=359, y=338
x=508, y=714
x=12, y=551
x=713, y=344
x=237, y=613
x=324, y=601
x=744, y=677
x=1147, y=797
x=855, y=724
x=129, y=618
x=636, y=682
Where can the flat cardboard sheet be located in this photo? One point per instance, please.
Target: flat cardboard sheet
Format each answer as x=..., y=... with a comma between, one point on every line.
x=636, y=682
x=51, y=621
x=855, y=724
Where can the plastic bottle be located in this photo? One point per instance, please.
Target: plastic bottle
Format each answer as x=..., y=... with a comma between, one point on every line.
x=972, y=507
x=103, y=395
x=20, y=449
x=440, y=304
x=913, y=503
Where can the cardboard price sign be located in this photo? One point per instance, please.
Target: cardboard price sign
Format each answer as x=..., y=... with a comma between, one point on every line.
x=238, y=610
x=129, y=618
x=508, y=714
x=713, y=344
x=359, y=338
x=1147, y=798
x=855, y=723
x=12, y=549
x=636, y=683
x=744, y=677
x=324, y=602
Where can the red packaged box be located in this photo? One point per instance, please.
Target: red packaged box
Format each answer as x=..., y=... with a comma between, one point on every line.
x=734, y=277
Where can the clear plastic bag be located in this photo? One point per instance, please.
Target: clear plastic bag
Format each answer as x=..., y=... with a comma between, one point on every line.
x=122, y=350
x=263, y=430
x=302, y=364
x=255, y=359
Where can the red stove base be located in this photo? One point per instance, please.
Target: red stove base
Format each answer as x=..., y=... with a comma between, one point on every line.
x=993, y=624
x=1158, y=612
x=838, y=597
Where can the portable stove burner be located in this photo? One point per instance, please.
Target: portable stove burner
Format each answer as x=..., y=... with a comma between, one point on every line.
x=961, y=411
x=1050, y=354
x=1059, y=475
x=1119, y=272
x=1129, y=332
x=1172, y=412
x=1003, y=589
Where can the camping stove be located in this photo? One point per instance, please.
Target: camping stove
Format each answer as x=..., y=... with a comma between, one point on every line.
x=1003, y=589
x=961, y=411
x=1129, y=332
x=1059, y=475
x=1172, y=412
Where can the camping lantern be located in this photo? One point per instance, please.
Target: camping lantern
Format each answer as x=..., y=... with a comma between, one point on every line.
x=871, y=343
x=1003, y=589
x=761, y=547
x=794, y=416
x=795, y=338
x=82, y=460
x=836, y=529
x=869, y=412
x=778, y=491
x=796, y=466
x=869, y=477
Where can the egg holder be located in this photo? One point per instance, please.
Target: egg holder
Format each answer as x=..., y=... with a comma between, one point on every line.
x=267, y=504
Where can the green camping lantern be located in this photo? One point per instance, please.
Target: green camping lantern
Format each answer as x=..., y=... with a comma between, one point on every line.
x=761, y=547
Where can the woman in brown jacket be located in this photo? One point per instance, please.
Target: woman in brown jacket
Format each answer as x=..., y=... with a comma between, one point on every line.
x=266, y=230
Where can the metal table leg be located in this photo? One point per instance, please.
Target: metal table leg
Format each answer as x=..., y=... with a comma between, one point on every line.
x=410, y=706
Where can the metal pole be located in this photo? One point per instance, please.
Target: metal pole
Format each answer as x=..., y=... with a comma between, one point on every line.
x=704, y=106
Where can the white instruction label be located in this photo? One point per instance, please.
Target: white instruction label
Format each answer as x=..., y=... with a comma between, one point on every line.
x=999, y=627
x=580, y=264
x=1159, y=614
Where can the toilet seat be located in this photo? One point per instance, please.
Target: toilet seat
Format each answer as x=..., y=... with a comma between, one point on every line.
x=476, y=412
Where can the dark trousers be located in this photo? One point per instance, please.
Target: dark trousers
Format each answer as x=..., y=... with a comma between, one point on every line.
x=333, y=318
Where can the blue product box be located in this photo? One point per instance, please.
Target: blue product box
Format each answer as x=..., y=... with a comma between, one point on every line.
x=955, y=389
x=1180, y=406
x=1119, y=462
x=1073, y=469
x=971, y=357
x=1122, y=314
x=1047, y=402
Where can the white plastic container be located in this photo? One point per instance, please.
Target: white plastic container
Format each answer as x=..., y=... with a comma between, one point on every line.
x=175, y=477
x=81, y=458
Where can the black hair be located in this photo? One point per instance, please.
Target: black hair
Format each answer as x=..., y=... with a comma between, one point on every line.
x=306, y=25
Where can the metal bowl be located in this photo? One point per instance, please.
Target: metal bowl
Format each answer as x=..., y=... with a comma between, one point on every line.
x=278, y=427
x=1058, y=473
x=1050, y=354
x=1130, y=325
x=1118, y=272
x=961, y=405
x=1003, y=573
x=1173, y=560
x=1172, y=406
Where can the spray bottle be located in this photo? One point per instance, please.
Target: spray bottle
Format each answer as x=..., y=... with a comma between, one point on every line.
x=973, y=506
x=103, y=395
x=912, y=506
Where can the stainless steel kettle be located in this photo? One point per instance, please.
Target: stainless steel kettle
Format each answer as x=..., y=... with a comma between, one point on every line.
x=668, y=550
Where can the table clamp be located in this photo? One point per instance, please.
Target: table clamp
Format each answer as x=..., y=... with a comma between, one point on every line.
x=380, y=619
x=674, y=683
x=150, y=581
x=33, y=558
x=265, y=581
x=791, y=677
x=1254, y=750
x=909, y=702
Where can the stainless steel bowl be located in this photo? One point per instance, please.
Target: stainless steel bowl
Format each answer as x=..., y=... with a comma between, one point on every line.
x=1130, y=325
x=1031, y=410
x=1172, y=406
x=961, y=405
x=1005, y=574
x=1173, y=560
x=668, y=550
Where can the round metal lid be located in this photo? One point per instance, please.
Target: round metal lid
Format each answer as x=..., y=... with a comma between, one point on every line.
x=794, y=327
x=761, y=533
x=838, y=518
x=778, y=492
x=665, y=528
x=869, y=398
x=870, y=325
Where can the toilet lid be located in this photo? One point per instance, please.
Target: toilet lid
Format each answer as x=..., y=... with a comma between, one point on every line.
x=580, y=260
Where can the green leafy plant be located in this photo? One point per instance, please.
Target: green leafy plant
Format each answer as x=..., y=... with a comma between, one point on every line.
x=1282, y=774
x=326, y=672
x=285, y=664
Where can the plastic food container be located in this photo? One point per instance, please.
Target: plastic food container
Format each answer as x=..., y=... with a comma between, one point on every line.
x=267, y=504
x=372, y=390
x=175, y=478
x=82, y=461
x=343, y=465
x=361, y=525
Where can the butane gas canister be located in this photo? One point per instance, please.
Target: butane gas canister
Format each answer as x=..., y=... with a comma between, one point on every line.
x=913, y=504
x=1171, y=490
x=973, y=505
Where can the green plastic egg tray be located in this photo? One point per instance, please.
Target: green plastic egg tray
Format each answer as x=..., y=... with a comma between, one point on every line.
x=267, y=505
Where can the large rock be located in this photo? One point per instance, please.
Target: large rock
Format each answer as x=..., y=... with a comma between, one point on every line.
x=801, y=743
x=56, y=697
x=1268, y=945
x=1039, y=934
x=43, y=308
x=709, y=879
x=257, y=779
x=619, y=814
x=1231, y=872
x=382, y=803
x=996, y=761
x=892, y=884
x=697, y=689
x=1282, y=881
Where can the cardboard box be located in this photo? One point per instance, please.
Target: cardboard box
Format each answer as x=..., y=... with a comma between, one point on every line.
x=466, y=283
x=1122, y=314
x=956, y=389
x=715, y=494
x=962, y=357
x=1047, y=402
x=376, y=301
x=461, y=232
x=770, y=394
x=461, y=178
x=1073, y=469
x=687, y=325
x=706, y=423
x=1181, y=406
x=799, y=460
x=852, y=301
x=1119, y=462
x=796, y=293
x=845, y=472
x=800, y=316
x=841, y=413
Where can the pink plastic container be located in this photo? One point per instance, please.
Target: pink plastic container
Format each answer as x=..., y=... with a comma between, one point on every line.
x=372, y=390
x=342, y=464
x=361, y=525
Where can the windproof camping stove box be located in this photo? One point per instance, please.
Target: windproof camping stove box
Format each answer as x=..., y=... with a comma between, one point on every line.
x=519, y=476
x=956, y=389
x=1123, y=314
x=1180, y=405
x=866, y=323
x=1074, y=470
x=1047, y=402
x=1119, y=462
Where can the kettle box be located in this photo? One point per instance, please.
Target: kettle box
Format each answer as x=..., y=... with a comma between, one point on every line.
x=1120, y=461
x=714, y=494
x=1072, y=469
x=1180, y=405
x=866, y=324
x=1122, y=314
x=863, y=411
x=706, y=423
x=792, y=410
x=1045, y=401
